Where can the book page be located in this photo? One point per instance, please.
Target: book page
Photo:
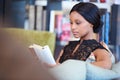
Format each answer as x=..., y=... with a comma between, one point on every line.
x=44, y=53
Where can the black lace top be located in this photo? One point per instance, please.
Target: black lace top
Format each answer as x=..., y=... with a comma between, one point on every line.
x=83, y=51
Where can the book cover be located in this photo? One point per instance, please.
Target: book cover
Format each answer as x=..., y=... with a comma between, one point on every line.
x=43, y=53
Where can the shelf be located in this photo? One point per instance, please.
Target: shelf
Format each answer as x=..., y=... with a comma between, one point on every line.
x=104, y=5
x=41, y=2
x=70, y=4
x=67, y=5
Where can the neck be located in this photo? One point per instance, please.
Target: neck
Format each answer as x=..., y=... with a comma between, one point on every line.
x=90, y=36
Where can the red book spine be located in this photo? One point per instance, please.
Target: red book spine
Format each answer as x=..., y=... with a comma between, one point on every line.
x=102, y=1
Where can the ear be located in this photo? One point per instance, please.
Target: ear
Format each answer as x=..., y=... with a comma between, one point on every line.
x=92, y=25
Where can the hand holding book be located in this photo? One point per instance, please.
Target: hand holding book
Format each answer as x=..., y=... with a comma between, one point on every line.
x=43, y=53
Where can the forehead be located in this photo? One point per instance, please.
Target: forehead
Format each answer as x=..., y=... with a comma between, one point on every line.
x=76, y=15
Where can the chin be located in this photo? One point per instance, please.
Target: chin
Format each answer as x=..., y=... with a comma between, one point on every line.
x=76, y=36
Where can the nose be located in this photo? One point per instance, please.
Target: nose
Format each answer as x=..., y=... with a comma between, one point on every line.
x=73, y=26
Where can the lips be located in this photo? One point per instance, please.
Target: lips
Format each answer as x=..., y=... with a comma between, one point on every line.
x=75, y=33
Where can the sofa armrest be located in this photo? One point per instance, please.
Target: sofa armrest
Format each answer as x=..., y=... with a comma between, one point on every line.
x=80, y=70
x=70, y=70
x=97, y=73
x=29, y=37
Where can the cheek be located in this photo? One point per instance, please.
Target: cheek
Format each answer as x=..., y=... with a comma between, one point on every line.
x=80, y=32
x=83, y=30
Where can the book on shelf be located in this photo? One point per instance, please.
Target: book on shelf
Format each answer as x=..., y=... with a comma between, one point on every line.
x=93, y=0
x=31, y=17
x=40, y=18
x=104, y=32
x=39, y=10
x=43, y=53
x=103, y=1
x=53, y=21
x=36, y=18
x=44, y=19
x=115, y=25
x=65, y=34
x=60, y=24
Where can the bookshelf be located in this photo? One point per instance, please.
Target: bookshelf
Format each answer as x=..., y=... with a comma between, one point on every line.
x=36, y=15
x=66, y=8
x=115, y=30
x=70, y=4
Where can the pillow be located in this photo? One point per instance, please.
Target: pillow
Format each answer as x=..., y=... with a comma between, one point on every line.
x=70, y=70
x=116, y=68
x=97, y=73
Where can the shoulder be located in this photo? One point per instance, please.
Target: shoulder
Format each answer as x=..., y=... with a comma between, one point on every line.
x=101, y=50
x=98, y=46
x=93, y=44
x=102, y=54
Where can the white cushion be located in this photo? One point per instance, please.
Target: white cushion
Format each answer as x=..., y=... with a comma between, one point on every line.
x=97, y=73
x=80, y=70
x=70, y=70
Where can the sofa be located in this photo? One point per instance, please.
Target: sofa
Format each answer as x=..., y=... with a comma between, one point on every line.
x=16, y=60
x=70, y=69
x=29, y=37
x=79, y=70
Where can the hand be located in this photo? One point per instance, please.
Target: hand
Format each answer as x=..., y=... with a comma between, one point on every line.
x=49, y=65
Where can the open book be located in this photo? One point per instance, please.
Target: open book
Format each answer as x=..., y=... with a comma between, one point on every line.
x=43, y=53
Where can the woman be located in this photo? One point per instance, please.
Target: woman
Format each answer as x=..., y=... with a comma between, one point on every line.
x=85, y=21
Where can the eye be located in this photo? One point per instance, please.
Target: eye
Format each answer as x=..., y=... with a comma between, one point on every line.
x=78, y=23
x=71, y=22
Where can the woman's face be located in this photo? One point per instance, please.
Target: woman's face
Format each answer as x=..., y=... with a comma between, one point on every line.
x=79, y=26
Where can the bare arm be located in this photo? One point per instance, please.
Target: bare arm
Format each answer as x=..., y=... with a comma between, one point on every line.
x=102, y=59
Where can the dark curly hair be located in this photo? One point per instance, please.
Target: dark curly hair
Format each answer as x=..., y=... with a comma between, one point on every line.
x=91, y=13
